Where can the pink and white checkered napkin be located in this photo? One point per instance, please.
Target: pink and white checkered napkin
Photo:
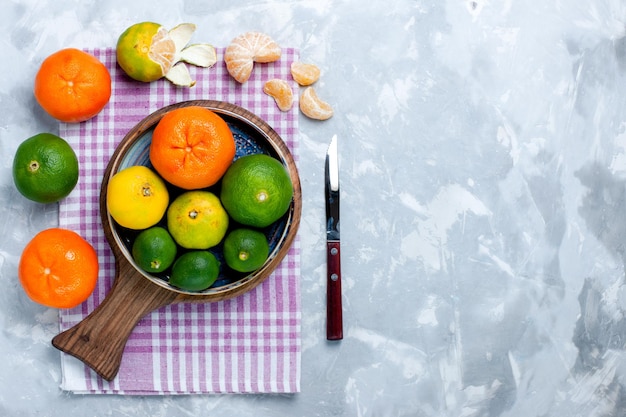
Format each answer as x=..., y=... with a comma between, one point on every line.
x=244, y=345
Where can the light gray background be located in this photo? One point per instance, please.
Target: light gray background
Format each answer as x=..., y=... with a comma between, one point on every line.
x=483, y=170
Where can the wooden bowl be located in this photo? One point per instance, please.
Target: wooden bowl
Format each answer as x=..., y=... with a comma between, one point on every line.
x=99, y=339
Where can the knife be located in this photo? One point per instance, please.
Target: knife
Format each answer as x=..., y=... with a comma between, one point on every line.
x=334, y=316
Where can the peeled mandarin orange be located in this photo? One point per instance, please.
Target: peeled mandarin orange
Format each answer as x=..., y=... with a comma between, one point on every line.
x=312, y=106
x=147, y=51
x=304, y=74
x=72, y=85
x=58, y=268
x=245, y=50
x=192, y=147
x=281, y=92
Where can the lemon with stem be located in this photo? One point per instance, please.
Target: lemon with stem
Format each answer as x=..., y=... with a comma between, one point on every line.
x=137, y=197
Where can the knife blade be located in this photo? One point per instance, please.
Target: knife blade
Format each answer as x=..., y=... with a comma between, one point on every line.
x=334, y=309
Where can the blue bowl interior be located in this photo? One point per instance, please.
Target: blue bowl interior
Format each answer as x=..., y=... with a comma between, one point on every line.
x=248, y=141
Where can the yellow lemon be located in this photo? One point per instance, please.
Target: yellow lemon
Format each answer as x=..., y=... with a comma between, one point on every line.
x=137, y=197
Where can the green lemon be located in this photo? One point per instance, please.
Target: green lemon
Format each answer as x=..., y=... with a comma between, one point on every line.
x=197, y=220
x=45, y=168
x=195, y=271
x=256, y=190
x=154, y=250
x=245, y=250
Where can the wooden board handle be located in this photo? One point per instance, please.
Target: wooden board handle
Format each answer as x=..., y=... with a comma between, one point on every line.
x=334, y=313
x=100, y=338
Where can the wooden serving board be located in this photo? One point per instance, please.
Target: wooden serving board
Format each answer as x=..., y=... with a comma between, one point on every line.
x=99, y=340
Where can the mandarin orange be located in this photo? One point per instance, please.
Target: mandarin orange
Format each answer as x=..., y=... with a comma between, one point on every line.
x=192, y=147
x=72, y=85
x=58, y=268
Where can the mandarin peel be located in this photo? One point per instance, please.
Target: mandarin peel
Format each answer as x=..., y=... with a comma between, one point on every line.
x=200, y=55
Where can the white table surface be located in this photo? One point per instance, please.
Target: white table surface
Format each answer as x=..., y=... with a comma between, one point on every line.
x=483, y=173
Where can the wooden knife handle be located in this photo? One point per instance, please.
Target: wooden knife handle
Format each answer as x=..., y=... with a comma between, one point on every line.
x=99, y=339
x=334, y=313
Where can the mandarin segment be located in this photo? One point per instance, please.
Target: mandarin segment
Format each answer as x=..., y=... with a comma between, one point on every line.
x=304, y=74
x=163, y=49
x=313, y=107
x=281, y=92
x=246, y=49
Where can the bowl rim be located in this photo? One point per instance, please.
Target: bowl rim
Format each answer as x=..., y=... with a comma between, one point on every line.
x=272, y=140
